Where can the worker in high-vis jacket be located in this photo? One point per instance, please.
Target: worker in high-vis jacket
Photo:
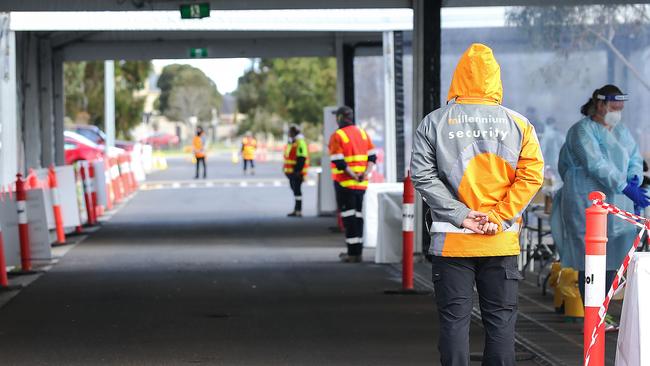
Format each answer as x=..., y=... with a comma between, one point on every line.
x=198, y=147
x=296, y=163
x=477, y=166
x=248, y=149
x=353, y=157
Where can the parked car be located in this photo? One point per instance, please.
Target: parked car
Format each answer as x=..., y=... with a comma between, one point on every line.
x=161, y=140
x=78, y=147
x=96, y=135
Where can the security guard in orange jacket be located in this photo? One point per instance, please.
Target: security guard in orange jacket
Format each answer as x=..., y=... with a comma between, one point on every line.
x=477, y=165
x=353, y=158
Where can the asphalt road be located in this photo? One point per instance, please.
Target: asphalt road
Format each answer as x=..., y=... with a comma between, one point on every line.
x=216, y=276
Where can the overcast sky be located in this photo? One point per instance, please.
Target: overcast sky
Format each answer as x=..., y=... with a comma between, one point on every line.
x=224, y=72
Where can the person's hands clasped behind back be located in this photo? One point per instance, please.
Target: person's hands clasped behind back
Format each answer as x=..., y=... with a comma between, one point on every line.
x=478, y=223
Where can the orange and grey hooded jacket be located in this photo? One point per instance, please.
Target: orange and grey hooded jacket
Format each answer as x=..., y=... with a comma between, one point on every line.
x=475, y=154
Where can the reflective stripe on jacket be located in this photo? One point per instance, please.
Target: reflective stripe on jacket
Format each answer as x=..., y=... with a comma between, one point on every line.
x=352, y=145
x=293, y=151
x=474, y=154
x=249, y=145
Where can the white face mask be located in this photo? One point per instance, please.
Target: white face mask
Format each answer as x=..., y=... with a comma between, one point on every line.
x=613, y=118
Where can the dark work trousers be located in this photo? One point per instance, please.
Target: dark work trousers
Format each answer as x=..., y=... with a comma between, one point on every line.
x=351, y=201
x=251, y=162
x=295, y=182
x=202, y=162
x=497, y=282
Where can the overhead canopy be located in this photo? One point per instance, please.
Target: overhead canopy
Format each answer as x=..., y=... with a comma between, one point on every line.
x=125, y=5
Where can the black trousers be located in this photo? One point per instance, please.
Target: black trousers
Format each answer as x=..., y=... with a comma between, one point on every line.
x=251, y=162
x=295, y=182
x=200, y=161
x=497, y=282
x=351, y=205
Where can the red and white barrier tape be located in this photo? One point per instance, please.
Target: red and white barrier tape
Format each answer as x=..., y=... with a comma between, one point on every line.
x=638, y=221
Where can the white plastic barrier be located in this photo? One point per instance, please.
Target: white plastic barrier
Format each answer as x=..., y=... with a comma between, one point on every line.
x=9, y=221
x=39, y=233
x=67, y=196
x=99, y=183
x=137, y=164
x=389, y=230
x=147, y=158
x=371, y=210
x=634, y=333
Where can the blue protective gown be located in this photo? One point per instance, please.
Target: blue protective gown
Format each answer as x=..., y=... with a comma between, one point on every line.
x=594, y=159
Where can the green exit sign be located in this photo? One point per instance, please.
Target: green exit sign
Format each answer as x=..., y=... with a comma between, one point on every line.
x=195, y=11
x=198, y=52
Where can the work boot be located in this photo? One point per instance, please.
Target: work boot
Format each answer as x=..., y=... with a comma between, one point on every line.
x=346, y=258
x=295, y=214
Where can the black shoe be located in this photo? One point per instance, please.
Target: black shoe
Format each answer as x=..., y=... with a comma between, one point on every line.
x=346, y=258
x=295, y=214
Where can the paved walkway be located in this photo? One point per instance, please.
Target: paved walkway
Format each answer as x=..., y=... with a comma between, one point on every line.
x=219, y=276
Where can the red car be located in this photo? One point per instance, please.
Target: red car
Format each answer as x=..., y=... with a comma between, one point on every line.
x=78, y=148
x=161, y=140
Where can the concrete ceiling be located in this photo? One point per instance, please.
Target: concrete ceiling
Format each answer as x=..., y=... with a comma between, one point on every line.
x=176, y=45
x=124, y=5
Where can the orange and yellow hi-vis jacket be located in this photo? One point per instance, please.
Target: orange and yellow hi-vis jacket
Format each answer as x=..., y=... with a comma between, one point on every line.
x=352, y=145
x=249, y=146
x=475, y=154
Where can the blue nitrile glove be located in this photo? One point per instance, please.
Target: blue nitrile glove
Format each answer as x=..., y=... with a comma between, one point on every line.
x=635, y=193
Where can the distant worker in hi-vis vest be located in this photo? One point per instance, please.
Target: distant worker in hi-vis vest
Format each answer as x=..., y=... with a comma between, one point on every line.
x=296, y=163
x=477, y=166
x=198, y=147
x=248, y=149
x=353, y=157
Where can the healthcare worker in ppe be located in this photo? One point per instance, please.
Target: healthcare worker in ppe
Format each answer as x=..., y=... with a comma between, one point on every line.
x=599, y=154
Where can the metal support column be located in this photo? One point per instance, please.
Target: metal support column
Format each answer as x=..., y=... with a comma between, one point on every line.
x=31, y=126
x=46, y=98
x=109, y=102
x=426, y=80
x=8, y=112
x=58, y=96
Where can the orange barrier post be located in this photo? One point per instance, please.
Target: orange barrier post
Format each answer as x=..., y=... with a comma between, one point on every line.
x=23, y=225
x=408, y=225
x=88, y=188
x=595, y=268
x=56, y=206
x=408, y=236
x=98, y=209
x=124, y=177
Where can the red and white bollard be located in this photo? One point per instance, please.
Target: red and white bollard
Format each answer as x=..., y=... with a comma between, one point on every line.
x=408, y=227
x=595, y=277
x=56, y=206
x=88, y=189
x=23, y=225
x=99, y=210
